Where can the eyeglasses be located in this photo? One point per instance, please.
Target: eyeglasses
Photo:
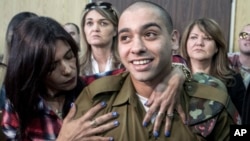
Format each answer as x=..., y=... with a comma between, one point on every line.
x=103, y=5
x=244, y=35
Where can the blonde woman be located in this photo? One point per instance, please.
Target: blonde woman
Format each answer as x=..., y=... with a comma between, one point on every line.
x=99, y=27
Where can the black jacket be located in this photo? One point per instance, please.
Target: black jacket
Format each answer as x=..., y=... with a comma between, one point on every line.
x=246, y=107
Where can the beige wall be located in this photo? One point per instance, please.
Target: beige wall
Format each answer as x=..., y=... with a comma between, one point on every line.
x=242, y=17
x=61, y=10
x=70, y=11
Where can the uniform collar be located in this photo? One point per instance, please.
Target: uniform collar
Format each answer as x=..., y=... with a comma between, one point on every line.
x=127, y=92
x=120, y=84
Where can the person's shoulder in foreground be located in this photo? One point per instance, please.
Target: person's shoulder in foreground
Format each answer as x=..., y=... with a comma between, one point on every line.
x=144, y=45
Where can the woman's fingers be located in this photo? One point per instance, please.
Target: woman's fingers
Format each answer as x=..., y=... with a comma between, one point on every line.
x=181, y=113
x=93, y=111
x=149, y=114
x=104, y=118
x=104, y=127
x=169, y=117
x=97, y=138
x=71, y=113
x=88, y=126
x=100, y=124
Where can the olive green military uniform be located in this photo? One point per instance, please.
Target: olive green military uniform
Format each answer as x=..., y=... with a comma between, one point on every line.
x=208, y=118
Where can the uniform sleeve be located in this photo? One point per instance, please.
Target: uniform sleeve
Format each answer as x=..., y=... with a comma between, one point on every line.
x=221, y=131
x=219, y=124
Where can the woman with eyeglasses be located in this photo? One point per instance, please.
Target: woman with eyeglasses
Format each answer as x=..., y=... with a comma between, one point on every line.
x=42, y=82
x=204, y=47
x=240, y=60
x=241, y=64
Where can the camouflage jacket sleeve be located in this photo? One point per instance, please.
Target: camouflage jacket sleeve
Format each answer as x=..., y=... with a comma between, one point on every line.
x=210, y=110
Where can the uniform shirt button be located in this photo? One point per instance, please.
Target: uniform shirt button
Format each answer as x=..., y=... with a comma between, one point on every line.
x=189, y=88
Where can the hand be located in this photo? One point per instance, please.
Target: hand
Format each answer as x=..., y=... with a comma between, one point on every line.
x=164, y=99
x=85, y=128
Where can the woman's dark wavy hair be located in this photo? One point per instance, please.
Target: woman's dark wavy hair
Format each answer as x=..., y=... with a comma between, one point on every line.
x=30, y=61
x=14, y=22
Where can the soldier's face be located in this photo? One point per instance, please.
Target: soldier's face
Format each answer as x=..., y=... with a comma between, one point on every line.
x=144, y=44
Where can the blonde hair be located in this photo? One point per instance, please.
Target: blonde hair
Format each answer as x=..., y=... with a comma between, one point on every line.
x=85, y=60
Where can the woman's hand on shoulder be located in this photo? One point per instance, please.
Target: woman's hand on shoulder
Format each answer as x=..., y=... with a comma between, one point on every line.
x=164, y=99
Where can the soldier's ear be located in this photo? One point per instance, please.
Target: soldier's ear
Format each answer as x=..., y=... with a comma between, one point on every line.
x=175, y=38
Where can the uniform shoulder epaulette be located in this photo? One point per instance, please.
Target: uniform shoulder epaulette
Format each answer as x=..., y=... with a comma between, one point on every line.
x=107, y=84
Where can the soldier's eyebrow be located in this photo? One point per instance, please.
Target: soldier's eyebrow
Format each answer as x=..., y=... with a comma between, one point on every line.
x=150, y=25
x=142, y=28
x=123, y=30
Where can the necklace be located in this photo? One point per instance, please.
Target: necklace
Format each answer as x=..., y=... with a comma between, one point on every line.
x=56, y=105
x=56, y=109
x=58, y=113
